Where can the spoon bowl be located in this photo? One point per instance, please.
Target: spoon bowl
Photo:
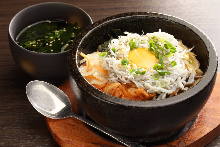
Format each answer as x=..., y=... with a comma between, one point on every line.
x=48, y=100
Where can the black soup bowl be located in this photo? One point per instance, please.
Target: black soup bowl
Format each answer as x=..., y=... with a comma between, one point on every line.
x=44, y=65
x=153, y=120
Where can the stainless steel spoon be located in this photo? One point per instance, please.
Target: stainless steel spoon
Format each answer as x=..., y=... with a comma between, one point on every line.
x=52, y=102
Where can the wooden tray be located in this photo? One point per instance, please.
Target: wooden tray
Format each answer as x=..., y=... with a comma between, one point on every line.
x=73, y=133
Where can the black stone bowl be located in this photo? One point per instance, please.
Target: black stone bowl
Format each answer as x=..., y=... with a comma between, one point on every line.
x=43, y=65
x=153, y=120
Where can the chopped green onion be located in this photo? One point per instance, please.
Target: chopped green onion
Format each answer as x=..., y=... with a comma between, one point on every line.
x=152, y=45
x=124, y=62
x=132, y=70
x=163, y=72
x=140, y=71
x=169, y=46
x=169, y=54
x=103, y=54
x=172, y=50
x=132, y=44
x=137, y=71
x=158, y=66
x=113, y=49
x=160, y=69
x=173, y=63
x=161, y=48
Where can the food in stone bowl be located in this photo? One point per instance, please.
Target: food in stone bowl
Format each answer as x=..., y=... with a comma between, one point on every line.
x=143, y=75
x=150, y=66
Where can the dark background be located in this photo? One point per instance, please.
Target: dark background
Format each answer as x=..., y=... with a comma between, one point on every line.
x=20, y=124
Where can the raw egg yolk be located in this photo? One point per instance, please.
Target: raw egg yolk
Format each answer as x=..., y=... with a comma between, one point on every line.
x=142, y=57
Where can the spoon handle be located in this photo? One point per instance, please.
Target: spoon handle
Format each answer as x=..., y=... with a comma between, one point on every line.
x=107, y=132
